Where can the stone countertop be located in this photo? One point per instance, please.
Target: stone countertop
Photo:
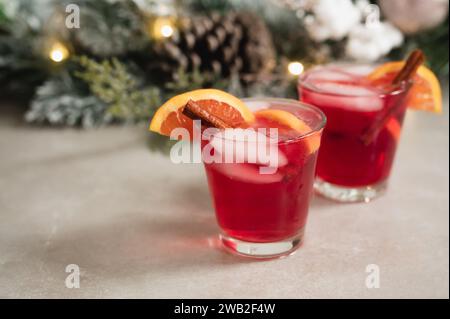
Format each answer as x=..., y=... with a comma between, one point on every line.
x=139, y=226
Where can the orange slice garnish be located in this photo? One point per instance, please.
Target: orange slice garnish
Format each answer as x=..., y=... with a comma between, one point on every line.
x=394, y=128
x=221, y=104
x=425, y=93
x=290, y=120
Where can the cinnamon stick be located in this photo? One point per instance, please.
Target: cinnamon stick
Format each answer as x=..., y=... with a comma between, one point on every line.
x=194, y=111
x=405, y=75
x=414, y=61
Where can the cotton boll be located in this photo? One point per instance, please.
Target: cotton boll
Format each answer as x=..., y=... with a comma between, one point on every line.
x=333, y=19
x=369, y=43
x=362, y=5
x=316, y=30
x=388, y=37
x=395, y=35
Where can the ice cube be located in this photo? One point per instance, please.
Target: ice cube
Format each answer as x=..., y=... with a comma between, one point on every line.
x=332, y=74
x=351, y=97
x=248, y=173
x=344, y=89
x=359, y=69
x=248, y=146
x=257, y=105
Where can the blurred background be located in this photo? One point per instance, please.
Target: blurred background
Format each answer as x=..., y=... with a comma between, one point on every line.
x=82, y=180
x=94, y=63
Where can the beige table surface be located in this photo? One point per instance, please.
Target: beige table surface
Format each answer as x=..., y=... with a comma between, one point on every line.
x=139, y=226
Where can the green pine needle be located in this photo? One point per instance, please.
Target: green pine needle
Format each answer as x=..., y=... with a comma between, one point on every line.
x=188, y=81
x=113, y=84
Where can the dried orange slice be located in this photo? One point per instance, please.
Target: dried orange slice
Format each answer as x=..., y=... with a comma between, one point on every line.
x=290, y=120
x=425, y=94
x=219, y=103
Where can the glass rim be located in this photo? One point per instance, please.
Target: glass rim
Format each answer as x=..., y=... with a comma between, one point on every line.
x=274, y=100
x=303, y=83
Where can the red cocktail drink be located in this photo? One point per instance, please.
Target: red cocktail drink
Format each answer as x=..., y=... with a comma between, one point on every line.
x=264, y=215
x=352, y=167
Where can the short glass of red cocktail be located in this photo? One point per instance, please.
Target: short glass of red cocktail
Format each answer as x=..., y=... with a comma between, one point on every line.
x=264, y=215
x=356, y=157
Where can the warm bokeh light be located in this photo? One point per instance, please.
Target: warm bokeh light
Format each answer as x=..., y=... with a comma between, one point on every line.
x=166, y=31
x=163, y=27
x=295, y=68
x=58, y=52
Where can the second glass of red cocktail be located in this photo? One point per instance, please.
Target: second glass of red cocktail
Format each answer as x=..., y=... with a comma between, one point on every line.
x=356, y=156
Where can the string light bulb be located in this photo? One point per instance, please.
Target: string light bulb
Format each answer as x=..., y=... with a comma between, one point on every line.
x=166, y=31
x=295, y=68
x=58, y=52
x=163, y=27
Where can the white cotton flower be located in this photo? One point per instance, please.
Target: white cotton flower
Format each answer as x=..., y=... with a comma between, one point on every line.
x=332, y=19
x=362, y=5
x=369, y=43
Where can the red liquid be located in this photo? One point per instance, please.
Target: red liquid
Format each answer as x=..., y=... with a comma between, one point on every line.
x=264, y=208
x=344, y=159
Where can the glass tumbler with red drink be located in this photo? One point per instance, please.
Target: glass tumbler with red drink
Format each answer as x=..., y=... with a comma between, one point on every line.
x=260, y=158
x=264, y=215
x=353, y=166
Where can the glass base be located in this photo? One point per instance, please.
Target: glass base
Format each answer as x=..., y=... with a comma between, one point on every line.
x=269, y=250
x=349, y=194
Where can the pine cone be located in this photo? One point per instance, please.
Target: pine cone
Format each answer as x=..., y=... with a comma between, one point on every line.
x=218, y=45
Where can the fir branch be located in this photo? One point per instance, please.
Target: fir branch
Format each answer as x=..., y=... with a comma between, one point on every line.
x=20, y=70
x=187, y=81
x=3, y=17
x=110, y=28
x=110, y=81
x=61, y=101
